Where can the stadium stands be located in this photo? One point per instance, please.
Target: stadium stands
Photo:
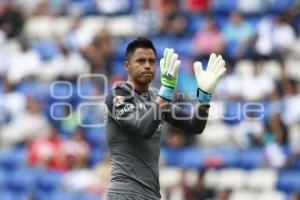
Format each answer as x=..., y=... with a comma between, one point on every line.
x=252, y=160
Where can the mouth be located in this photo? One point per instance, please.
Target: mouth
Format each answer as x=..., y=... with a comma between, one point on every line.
x=147, y=74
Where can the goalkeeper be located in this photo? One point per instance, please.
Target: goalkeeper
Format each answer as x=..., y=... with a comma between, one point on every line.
x=136, y=112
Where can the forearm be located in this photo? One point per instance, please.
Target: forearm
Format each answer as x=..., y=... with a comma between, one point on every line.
x=199, y=120
x=190, y=122
x=147, y=124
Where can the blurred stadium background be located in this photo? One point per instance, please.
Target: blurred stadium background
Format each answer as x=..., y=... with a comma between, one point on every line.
x=46, y=44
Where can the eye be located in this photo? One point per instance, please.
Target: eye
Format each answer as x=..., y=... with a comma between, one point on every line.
x=152, y=61
x=141, y=60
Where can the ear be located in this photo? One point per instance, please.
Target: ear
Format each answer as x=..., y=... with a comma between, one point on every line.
x=126, y=64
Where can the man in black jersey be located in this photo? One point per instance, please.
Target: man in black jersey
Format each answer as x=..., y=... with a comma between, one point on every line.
x=136, y=112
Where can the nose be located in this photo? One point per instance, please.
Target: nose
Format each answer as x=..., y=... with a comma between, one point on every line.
x=147, y=65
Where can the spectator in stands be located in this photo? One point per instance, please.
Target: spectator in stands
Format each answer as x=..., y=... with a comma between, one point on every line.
x=275, y=38
x=295, y=196
x=230, y=87
x=11, y=19
x=110, y=7
x=12, y=101
x=199, y=191
x=291, y=99
x=92, y=180
x=278, y=129
x=250, y=132
x=146, y=18
x=176, y=138
x=274, y=155
x=100, y=53
x=76, y=149
x=23, y=64
x=222, y=195
x=26, y=125
x=252, y=7
x=79, y=179
x=69, y=118
x=249, y=90
x=173, y=22
x=238, y=34
x=208, y=40
x=103, y=172
x=41, y=7
x=69, y=64
x=48, y=150
x=75, y=38
x=284, y=36
x=274, y=147
x=197, y=5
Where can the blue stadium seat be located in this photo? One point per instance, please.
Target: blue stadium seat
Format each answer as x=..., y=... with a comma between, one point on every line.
x=49, y=180
x=121, y=44
x=95, y=136
x=172, y=156
x=62, y=195
x=23, y=180
x=97, y=155
x=297, y=163
x=160, y=44
x=4, y=176
x=87, y=7
x=289, y=180
x=47, y=49
x=184, y=47
x=86, y=87
x=13, y=158
x=223, y=6
x=195, y=23
x=278, y=6
x=232, y=113
x=229, y=155
x=221, y=20
x=118, y=68
x=89, y=197
x=6, y=195
x=61, y=90
x=33, y=88
x=192, y=158
x=251, y=158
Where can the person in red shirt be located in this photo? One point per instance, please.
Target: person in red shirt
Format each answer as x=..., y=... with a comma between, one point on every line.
x=48, y=150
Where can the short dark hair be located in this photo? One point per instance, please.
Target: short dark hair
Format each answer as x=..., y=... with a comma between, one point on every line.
x=140, y=42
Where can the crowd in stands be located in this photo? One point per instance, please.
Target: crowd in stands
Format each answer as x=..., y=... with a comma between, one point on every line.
x=50, y=144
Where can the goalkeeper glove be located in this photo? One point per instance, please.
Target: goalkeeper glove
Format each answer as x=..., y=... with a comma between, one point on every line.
x=208, y=80
x=169, y=65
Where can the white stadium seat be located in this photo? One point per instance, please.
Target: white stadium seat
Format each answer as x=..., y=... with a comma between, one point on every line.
x=214, y=134
x=271, y=195
x=169, y=176
x=262, y=179
x=211, y=178
x=242, y=195
x=232, y=178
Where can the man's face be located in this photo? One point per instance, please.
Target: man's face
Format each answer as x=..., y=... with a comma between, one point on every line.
x=141, y=65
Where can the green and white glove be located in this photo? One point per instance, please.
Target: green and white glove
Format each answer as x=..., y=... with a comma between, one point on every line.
x=208, y=80
x=169, y=65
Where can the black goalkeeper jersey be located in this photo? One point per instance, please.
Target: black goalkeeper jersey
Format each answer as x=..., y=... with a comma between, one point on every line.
x=133, y=137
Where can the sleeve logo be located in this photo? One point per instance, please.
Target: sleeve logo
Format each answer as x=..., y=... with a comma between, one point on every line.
x=118, y=101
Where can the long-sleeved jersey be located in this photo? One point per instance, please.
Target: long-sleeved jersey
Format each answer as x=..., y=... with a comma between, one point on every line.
x=133, y=137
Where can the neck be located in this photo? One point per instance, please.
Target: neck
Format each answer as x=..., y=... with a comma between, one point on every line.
x=138, y=86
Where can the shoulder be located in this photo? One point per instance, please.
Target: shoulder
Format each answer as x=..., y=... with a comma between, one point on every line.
x=119, y=95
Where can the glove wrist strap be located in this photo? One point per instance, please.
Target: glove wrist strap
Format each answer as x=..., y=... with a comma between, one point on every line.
x=203, y=97
x=166, y=92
